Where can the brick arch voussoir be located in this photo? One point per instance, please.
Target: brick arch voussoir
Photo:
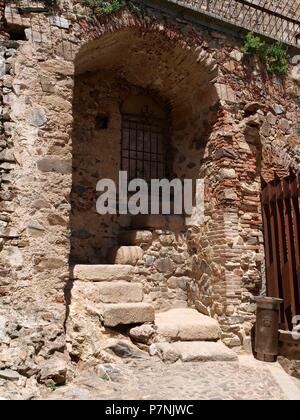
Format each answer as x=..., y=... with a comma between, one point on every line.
x=192, y=41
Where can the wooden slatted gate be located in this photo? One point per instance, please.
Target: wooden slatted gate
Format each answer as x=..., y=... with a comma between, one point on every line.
x=281, y=219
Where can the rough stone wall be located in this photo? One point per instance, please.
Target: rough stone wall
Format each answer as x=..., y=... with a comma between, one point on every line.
x=96, y=155
x=36, y=174
x=256, y=127
x=258, y=138
x=163, y=270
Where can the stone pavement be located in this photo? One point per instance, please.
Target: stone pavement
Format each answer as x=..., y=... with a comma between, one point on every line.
x=151, y=379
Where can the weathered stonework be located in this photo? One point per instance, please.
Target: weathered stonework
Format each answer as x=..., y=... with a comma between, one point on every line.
x=230, y=123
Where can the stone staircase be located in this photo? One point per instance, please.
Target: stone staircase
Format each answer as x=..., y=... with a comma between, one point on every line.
x=180, y=334
x=110, y=289
x=119, y=297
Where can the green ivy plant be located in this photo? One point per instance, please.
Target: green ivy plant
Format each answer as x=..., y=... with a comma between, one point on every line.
x=104, y=7
x=253, y=45
x=274, y=57
x=52, y=386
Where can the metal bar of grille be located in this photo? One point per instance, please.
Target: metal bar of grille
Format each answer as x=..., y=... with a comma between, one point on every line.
x=143, y=152
x=279, y=19
x=268, y=10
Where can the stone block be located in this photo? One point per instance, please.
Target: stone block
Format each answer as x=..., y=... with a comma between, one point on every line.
x=278, y=109
x=7, y=155
x=60, y=22
x=103, y=272
x=2, y=66
x=143, y=333
x=9, y=375
x=127, y=313
x=107, y=292
x=120, y=291
x=135, y=237
x=236, y=55
x=33, y=36
x=125, y=255
x=164, y=265
x=165, y=351
x=225, y=93
x=197, y=351
x=54, y=370
x=227, y=173
x=186, y=324
x=178, y=282
x=50, y=164
x=37, y=117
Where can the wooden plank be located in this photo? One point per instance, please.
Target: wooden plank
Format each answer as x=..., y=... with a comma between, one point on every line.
x=289, y=266
x=286, y=279
x=268, y=244
x=273, y=287
x=281, y=221
x=295, y=191
x=267, y=238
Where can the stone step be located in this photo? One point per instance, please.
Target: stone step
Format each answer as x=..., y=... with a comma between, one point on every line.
x=125, y=255
x=193, y=351
x=151, y=221
x=187, y=324
x=108, y=292
x=127, y=313
x=103, y=272
x=135, y=237
x=120, y=292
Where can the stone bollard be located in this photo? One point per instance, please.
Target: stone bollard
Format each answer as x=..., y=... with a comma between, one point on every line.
x=267, y=328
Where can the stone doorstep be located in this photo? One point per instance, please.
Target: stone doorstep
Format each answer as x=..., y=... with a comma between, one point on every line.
x=103, y=272
x=187, y=324
x=193, y=351
x=127, y=313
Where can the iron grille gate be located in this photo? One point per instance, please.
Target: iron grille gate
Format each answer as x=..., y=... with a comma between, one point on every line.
x=143, y=150
x=281, y=217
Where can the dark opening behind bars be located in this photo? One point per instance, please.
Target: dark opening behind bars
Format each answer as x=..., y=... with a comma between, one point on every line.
x=143, y=153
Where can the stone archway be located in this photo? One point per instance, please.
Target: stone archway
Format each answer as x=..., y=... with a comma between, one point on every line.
x=143, y=62
x=131, y=61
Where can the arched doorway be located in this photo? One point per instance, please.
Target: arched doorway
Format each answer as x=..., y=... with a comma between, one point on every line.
x=137, y=109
